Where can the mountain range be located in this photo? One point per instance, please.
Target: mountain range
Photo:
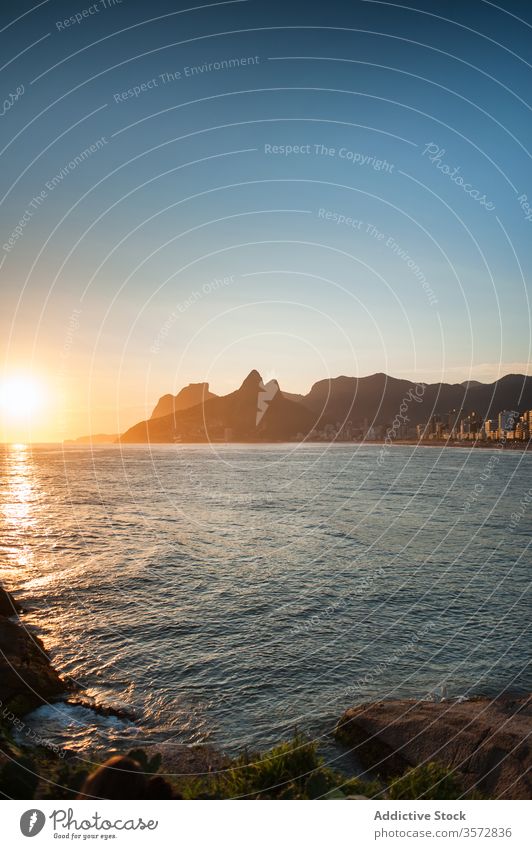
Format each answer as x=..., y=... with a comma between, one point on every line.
x=258, y=412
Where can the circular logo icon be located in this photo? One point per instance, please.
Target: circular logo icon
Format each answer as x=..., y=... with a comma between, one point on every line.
x=32, y=822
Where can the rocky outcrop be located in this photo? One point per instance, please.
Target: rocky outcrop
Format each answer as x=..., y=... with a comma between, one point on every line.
x=189, y=396
x=253, y=413
x=179, y=760
x=196, y=415
x=485, y=740
x=27, y=678
x=8, y=605
x=94, y=439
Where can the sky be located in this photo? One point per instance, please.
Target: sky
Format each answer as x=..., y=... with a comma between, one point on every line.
x=189, y=192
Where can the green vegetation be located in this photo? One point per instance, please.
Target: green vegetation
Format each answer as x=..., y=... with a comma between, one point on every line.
x=292, y=770
x=427, y=781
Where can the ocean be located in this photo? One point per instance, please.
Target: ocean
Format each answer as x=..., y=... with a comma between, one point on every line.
x=231, y=594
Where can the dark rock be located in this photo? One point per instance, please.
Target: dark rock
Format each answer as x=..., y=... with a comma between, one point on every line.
x=189, y=396
x=179, y=760
x=253, y=413
x=8, y=605
x=485, y=740
x=27, y=678
x=102, y=710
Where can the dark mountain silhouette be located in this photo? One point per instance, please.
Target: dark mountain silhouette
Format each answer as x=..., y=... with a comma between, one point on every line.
x=294, y=396
x=378, y=398
x=94, y=439
x=263, y=413
x=189, y=396
x=254, y=412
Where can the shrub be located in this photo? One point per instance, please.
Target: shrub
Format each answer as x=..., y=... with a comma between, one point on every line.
x=427, y=781
x=291, y=770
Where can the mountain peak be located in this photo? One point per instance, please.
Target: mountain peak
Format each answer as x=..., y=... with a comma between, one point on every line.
x=259, y=411
x=253, y=380
x=189, y=396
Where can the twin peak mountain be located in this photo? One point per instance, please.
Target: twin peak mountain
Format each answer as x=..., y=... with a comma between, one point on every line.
x=262, y=412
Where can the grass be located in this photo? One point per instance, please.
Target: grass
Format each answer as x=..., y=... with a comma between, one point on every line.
x=291, y=770
x=427, y=781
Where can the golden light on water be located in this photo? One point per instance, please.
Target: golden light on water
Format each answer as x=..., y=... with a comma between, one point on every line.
x=19, y=486
x=16, y=502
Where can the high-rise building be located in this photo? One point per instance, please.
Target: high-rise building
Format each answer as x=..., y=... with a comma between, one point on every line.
x=507, y=422
x=490, y=428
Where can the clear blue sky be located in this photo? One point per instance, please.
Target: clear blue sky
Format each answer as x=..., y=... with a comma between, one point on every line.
x=372, y=257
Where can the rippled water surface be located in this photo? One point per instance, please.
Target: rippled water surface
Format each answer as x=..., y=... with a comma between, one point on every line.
x=231, y=593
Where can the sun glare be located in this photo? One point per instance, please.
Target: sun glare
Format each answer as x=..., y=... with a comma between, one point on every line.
x=21, y=397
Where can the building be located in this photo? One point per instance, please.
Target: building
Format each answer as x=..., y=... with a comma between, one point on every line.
x=507, y=423
x=471, y=427
x=453, y=423
x=491, y=427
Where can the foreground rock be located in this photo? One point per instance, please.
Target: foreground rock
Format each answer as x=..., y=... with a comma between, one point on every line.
x=181, y=761
x=485, y=740
x=8, y=605
x=27, y=678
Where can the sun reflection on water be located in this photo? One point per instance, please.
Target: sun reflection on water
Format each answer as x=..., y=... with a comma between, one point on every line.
x=17, y=498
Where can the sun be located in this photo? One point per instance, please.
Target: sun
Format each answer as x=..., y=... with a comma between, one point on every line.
x=21, y=396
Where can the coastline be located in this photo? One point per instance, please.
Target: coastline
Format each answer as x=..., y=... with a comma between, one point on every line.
x=474, y=748
x=495, y=445
x=482, y=740
x=27, y=676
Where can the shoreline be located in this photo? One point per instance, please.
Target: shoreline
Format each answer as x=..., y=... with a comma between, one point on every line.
x=474, y=745
x=496, y=445
x=483, y=740
x=27, y=676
